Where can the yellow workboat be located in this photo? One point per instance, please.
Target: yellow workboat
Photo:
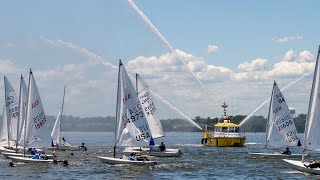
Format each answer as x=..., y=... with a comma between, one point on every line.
x=225, y=133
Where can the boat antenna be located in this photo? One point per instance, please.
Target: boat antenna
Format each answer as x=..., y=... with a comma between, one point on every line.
x=224, y=106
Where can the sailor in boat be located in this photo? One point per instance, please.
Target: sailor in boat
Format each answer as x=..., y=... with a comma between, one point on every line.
x=287, y=151
x=313, y=164
x=37, y=156
x=32, y=151
x=162, y=147
x=83, y=147
x=132, y=157
x=151, y=144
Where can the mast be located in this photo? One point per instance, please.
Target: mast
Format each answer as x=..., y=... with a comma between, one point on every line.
x=19, y=114
x=268, y=119
x=310, y=103
x=117, y=109
x=64, y=93
x=25, y=122
x=224, y=106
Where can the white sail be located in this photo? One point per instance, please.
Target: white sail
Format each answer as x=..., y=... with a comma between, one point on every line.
x=132, y=126
x=149, y=108
x=37, y=131
x=281, y=130
x=22, y=110
x=12, y=109
x=4, y=129
x=55, y=134
x=312, y=133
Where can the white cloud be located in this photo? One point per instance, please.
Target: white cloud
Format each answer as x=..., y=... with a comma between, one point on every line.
x=287, y=39
x=212, y=49
x=254, y=65
x=170, y=78
x=8, y=67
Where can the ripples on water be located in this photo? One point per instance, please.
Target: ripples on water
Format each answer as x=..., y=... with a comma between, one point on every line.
x=197, y=162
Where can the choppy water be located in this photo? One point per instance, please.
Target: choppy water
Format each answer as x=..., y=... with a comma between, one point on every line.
x=197, y=162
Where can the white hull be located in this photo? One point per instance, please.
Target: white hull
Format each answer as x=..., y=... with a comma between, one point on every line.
x=3, y=149
x=113, y=161
x=146, y=151
x=29, y=160
x=66, y=148
x=8, y=154
x=276, y=154
x=298, y=165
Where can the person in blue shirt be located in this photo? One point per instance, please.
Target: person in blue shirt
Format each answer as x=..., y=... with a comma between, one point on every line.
x=37, y=156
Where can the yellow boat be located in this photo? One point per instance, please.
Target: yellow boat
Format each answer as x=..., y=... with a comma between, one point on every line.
x=225, y=133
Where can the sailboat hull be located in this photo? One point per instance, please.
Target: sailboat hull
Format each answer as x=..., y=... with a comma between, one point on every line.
x=29, y=160
x=146, y=151
x=276, y=155
x=66, y=148
x=300, y=166
x=114, y=161
x=8, y=154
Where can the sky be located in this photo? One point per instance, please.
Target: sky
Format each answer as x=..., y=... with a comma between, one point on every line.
x=193, y=54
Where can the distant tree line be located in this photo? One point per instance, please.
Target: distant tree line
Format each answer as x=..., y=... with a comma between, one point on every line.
x=106, y=124
x=254, y=124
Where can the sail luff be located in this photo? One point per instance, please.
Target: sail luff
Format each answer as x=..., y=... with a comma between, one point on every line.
x=18, y=124
x=117, y=112
x=26, y=119
x=269, y=116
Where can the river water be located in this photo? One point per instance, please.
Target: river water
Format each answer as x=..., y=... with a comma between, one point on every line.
x=197, y=162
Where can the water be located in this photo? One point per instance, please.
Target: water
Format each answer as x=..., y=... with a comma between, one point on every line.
x=197, y=162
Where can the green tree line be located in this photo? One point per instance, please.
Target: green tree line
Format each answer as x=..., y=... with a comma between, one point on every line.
x=106, y=124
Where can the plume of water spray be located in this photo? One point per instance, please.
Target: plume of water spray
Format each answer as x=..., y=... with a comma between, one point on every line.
x=267, y=100
x=176, y=109
x=166, y=42
x=105, y=62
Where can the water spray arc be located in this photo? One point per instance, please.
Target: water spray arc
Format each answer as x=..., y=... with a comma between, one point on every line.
x=267, y=100
x=166, y=42
x=106, y=63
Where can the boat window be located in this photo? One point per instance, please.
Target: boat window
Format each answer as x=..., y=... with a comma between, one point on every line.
x=224, y=129
x=236, y=129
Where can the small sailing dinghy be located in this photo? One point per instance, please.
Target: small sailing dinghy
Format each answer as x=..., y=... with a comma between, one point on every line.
x=131, y=127
x=150, y=112
x=280, y=128
x=36, y=131
x=312, y=126
x=57, y=142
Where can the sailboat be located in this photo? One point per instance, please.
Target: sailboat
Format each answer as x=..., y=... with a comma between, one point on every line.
x=21, y=115
x=4, y=134
x=12, y=112
x=36, y=133
x=150, y=112
x=312, y=126
x=280, y=128
x=131, y=127
x=57, y=142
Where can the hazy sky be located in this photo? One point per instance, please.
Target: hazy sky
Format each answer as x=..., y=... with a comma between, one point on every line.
x=234, y=48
